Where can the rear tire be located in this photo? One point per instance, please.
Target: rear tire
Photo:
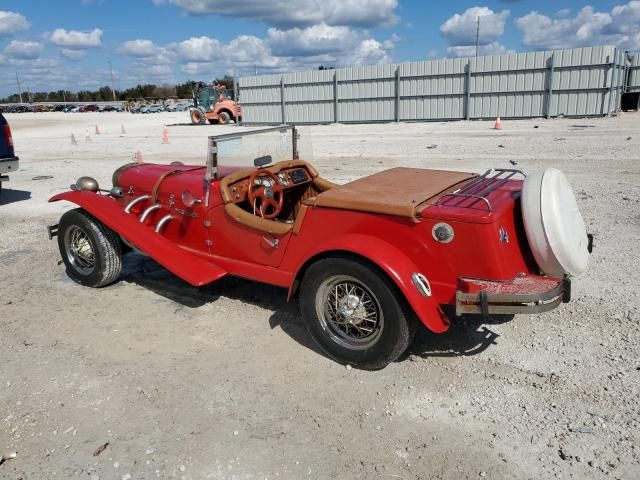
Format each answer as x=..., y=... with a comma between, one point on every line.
x=91, y=251
x=224, y=118
x=353, y=313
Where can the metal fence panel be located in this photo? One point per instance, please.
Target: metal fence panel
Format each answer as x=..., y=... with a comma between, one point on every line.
x=572, y=82
x=634, y=73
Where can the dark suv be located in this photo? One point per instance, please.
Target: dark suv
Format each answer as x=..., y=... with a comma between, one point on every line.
x=8, y=160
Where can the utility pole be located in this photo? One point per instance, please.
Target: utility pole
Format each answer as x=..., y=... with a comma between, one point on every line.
x=113, y=91
x=478, y=37
x=19, y=87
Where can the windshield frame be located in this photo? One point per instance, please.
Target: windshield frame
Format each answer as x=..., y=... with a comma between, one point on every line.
x=212, y=150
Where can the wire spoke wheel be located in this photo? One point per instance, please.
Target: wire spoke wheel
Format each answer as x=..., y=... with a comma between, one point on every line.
x=91, y=251
x=79, y=250
x=349, y=312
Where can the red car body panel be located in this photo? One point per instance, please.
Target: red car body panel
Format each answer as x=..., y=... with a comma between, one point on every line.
x=203, y=243
x=165, y=252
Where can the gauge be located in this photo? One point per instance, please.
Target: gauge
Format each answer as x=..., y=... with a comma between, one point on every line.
x=283, y=179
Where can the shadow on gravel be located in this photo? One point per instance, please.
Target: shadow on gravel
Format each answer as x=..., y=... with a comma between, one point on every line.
x=148, y=274
x=467, y=336
x=9, y=195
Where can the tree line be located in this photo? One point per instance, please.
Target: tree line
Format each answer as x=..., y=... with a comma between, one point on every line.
x=105, y=94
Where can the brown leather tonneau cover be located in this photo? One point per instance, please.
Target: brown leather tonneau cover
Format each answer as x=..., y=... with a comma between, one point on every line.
x=397, y=191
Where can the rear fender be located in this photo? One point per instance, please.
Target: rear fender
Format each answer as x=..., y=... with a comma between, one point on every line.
x=398, y=267
x=188, y=267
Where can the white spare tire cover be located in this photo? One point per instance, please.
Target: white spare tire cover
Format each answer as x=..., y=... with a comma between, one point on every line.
x=555, y=230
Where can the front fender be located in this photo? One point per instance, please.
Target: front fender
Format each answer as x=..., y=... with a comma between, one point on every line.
x=190, y=268
x=395, y=263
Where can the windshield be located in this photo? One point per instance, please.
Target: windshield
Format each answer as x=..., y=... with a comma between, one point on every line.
x=237, y=151
x=221, y=93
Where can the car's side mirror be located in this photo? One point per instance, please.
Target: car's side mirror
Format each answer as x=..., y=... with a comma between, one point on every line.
x=262, y=161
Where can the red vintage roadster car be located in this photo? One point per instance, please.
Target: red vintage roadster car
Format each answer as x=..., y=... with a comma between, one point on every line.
x=369, y=260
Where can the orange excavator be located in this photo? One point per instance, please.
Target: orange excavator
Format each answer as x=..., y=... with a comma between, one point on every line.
x=215, y=104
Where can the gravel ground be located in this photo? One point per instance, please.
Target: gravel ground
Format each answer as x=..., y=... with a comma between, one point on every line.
x=151, y=378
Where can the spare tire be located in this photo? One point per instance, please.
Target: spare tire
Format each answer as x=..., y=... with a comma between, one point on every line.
x=553, y=224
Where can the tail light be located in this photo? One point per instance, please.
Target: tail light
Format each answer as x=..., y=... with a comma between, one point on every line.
x=7, y=135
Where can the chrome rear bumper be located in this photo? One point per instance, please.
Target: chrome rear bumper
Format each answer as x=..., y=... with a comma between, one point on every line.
x=527, y=294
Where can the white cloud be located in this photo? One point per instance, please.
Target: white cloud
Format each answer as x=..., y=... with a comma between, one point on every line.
x=626, y=18
x=620, y=27
x=12, y=22
x=143, y=72
x=73, y=39
x=73, y=54
x=282, y=50
x=140, y=48
x=370, y=51
x=288, y=13
x=493, y=48
x=198, y=69
x=314, y=40
x=326, y=44
x=24, y=50
x=197, y=49
x=247, y=51
x=460, y=30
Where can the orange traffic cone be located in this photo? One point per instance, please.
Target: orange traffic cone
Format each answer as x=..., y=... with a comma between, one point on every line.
x=498, y=124
x=165, y=135
x=97, y=130
x=87, y=137
x=139, y=157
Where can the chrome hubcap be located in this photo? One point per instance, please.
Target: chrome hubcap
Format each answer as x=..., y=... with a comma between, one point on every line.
x=349, y=312
x=79, y=250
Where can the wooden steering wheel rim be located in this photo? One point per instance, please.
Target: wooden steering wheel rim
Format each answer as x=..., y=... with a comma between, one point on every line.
x=258, y=192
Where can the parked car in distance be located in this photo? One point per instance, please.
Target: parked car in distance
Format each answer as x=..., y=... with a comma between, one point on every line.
x=154, y=109
x=8, y=159
x=179, y=107
x=370, y=260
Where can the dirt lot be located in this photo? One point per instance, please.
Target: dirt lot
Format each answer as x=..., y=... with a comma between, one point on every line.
x=223, y=382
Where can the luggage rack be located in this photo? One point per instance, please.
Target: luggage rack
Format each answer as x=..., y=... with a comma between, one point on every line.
x=479, y=188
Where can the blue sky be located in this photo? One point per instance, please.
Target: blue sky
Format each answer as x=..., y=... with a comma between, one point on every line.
x=68, y=44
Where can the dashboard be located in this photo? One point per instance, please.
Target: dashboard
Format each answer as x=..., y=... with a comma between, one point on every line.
x=288, y=178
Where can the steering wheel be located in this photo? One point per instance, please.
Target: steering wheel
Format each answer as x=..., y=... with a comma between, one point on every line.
x=265, y=198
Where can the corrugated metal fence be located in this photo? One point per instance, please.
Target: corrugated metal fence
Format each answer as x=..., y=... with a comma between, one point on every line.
x=634, y=73
x=571, y=82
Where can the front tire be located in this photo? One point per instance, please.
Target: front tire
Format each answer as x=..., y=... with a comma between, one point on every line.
x=197, y=116
x=91, y=251
x=353, y=313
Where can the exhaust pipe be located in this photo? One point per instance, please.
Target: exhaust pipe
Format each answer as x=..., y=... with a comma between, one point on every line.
x=162, y=222
x=150, y=209
x=135, y=201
